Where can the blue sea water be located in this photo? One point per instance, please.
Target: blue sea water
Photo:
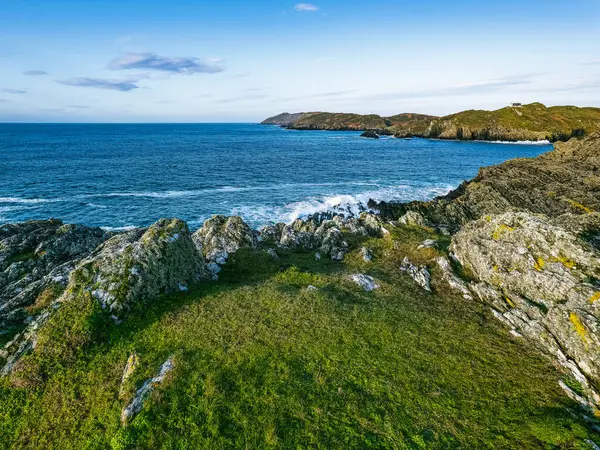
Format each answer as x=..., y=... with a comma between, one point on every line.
x=126, y=175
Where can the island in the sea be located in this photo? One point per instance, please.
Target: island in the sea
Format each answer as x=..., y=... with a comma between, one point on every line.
x=517, y=122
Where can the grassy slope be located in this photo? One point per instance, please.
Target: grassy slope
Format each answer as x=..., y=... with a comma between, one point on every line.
x=533, y=117
x=262, y=363
x=559, y=121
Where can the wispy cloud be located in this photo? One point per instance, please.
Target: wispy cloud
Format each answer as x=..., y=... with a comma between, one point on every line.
x=463, y=89
x=306, y=7
x=241, y=98
x=590, y=63
x=321, y=95
x=114, y=85
x=77, y=106
x=3, y=100
x=14, y=91
x=35, y=73
x=150, y=61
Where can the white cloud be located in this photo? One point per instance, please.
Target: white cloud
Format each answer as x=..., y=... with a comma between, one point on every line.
x=306, y=7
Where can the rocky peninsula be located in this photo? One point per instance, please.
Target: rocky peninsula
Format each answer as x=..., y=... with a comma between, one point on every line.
x=496, y=281
x=532, y=122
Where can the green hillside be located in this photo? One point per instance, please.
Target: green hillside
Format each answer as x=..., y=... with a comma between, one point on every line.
x=528, y=122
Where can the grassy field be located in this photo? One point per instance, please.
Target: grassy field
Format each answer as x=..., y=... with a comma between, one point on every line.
x=261, y=362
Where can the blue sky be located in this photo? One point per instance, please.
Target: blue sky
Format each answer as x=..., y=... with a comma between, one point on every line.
x=241, y=61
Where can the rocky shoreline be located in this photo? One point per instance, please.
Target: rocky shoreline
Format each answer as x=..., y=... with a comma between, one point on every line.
x=523, y=240
x=533, y=122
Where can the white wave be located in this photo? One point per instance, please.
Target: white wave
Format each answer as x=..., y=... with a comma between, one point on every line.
x=28, y=200
x=339, y=203
x=192, y=193
x=123, y=228
x=542, y=142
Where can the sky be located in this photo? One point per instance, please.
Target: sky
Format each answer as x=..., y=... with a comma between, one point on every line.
x=242, y=61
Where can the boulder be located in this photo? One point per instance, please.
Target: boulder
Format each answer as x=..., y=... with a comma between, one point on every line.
x=333, y=244
x=220, y=236
x=419, y=274
x=366, y=254
x=366, y=282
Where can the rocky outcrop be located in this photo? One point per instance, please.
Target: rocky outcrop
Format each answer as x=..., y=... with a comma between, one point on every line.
x=125, y=271
x=541, y=280
x=220, y=236
x=323, y=232
x=142, y=394
x=562, y=181
x=140, y=265
x=419, y=274
x=36, y=259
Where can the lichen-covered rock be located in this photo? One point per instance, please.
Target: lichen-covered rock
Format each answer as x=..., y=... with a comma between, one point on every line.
x=333, y=244
x=128, y=269
x=36, y=259
x=220, y=236
x=140, y=265
x=412, y=218
x=419, y=274
x=451, y=279
x=540, y=279
x=366, y=282
x=133, y=408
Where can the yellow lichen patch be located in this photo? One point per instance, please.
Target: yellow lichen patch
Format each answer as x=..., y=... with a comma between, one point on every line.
x=595, y=297
x=509, y=302
x=568, y=263
x=539, y=264
x=579, y=327
x=597, y=413
x=488, y=218
x=579, y=206
x=501, y=230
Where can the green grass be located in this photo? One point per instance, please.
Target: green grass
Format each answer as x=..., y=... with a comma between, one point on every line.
x=263, y=363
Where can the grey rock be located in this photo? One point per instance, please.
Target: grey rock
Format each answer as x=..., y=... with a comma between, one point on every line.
x=537, y=277
x=366, y=282
x=428, y=243
x=419, y=274
x=131, y=410
x=366, y=254
x=412, y=218
x=220, y=236
x=334, y=245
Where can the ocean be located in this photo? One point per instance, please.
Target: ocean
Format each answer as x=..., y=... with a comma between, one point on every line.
x=125, y=175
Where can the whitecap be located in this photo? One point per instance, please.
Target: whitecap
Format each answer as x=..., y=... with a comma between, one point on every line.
x=28, y=200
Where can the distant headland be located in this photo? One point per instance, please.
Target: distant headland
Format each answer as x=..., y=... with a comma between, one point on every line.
x=517, y=122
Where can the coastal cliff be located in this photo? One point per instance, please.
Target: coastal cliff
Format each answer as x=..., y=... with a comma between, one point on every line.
x=532, y=122
x=480, y=307
x=527, y=233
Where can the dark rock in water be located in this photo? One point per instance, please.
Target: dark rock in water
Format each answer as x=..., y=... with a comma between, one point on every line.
x=370, y=134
